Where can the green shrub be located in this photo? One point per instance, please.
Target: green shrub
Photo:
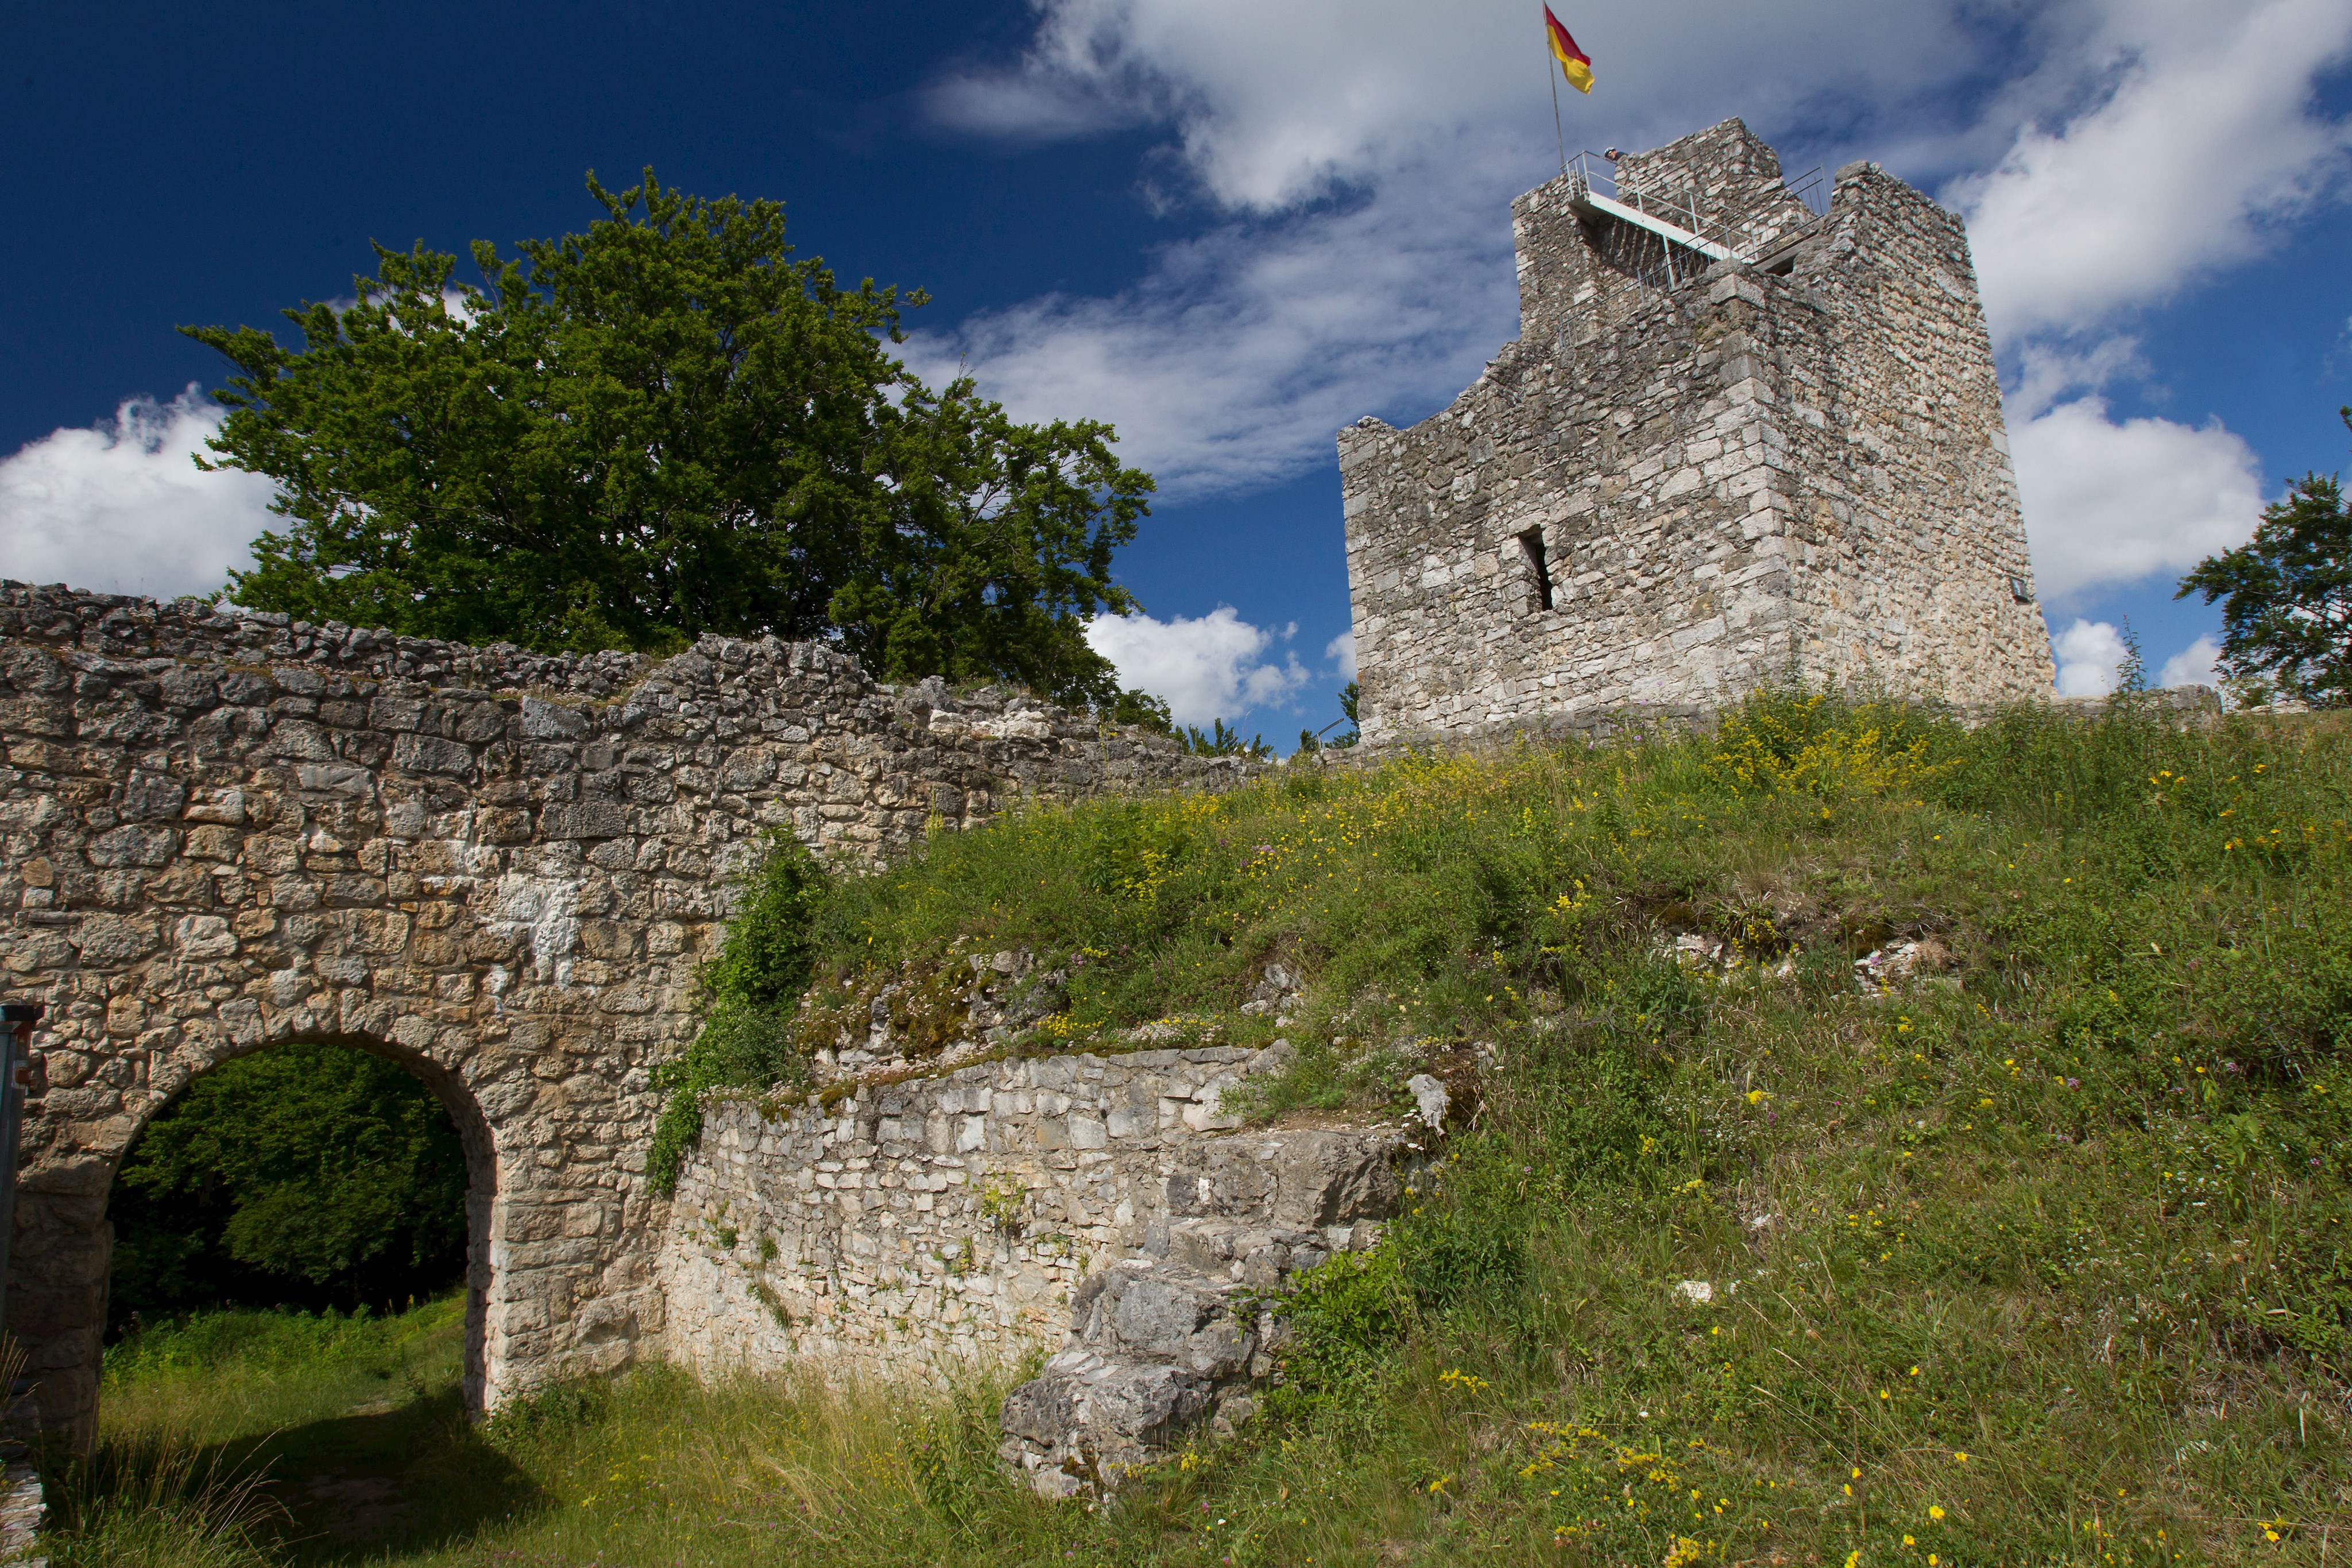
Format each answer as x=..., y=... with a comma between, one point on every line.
x=750, y=994
x=1343, y=1318
x=577, y=1405
x=1788, y=740
x=309, y=1173
x=1462, y=1257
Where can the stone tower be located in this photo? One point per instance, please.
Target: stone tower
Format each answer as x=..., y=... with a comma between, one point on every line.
x=1736, y=437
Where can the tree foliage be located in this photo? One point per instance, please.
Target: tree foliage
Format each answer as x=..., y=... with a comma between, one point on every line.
x=1141, y=707
x=310, y=1174
x=1311, y=740
x=2287, y=594
x=1222, y=740
x=666, y=426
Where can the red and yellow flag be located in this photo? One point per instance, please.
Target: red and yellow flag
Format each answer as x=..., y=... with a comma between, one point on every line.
x=1573, y=62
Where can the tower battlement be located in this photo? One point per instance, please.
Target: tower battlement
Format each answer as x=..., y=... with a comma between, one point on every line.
x=1736, y=437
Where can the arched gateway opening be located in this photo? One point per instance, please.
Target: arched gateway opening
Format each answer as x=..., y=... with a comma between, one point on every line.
x=327, y=1173
x=63, y=1261
x=555, y=1286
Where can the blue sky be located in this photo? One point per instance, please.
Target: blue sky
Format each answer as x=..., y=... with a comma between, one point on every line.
x=1228, y=226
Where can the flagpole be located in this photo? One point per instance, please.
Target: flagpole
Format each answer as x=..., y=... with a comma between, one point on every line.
x=1557, y=134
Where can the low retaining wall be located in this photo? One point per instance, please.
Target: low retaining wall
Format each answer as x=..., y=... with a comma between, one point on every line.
x=938, y=1222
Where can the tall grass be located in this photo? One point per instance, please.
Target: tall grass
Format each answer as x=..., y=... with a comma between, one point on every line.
x=2069, y=1200
x=214, y=1376
x=157, y=1502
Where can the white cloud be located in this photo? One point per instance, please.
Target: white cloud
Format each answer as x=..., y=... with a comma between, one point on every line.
x=2193, y=666
x=2161, y=143
x=1357, y=257
x=1364, y=173
x=1341, y=651
x=2109, y=503
x=122, y=507
x=2048, y=372
x=1205, y=669
x=1232, y=364
x=2089, y=653
x=1275, y=103
x=1362, y=260
x=2199, y=139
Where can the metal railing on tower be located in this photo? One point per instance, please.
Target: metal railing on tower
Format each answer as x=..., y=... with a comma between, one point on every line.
x=1675, y=238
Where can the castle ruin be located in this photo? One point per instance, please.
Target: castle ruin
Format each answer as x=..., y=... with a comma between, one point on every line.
x=1771, y=443
x=1738, y=438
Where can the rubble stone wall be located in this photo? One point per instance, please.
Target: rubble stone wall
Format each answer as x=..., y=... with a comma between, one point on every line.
x=220, y=831
x=1739, y=472
x=911, y=1227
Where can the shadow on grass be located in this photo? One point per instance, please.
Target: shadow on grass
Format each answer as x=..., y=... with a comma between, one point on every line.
x=412, y=1476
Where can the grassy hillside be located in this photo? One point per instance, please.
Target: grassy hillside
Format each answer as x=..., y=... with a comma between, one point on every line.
x=2027, y=1241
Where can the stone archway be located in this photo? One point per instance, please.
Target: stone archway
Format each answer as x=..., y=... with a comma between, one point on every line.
x=487, y=1302
x=210, y=857
x=550, y=1291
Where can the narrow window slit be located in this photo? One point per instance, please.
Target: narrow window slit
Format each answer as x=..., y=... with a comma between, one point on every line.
x=1532, y=541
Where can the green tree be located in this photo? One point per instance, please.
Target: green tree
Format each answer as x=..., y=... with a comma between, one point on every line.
x=1224, y=741
x=2286, y=594
x=1137, y=707
x=666, y=426
x=306, y=1173
x=1311, y=740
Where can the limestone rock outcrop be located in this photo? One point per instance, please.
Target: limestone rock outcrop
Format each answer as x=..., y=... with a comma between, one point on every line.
x=1179, y=1335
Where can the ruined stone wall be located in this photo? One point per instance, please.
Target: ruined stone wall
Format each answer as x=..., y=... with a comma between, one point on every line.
x=1797, y=465
x=222, y=831
x=948, y=1220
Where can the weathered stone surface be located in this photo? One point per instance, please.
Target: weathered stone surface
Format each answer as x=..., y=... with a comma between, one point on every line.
x=923, y=1223
x=1085, y=1419
x=22, y=1511
x=918, y=1225
x=1727, y=474
x=1164, y=1335
x=222, y=831
x=1430, y=1097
